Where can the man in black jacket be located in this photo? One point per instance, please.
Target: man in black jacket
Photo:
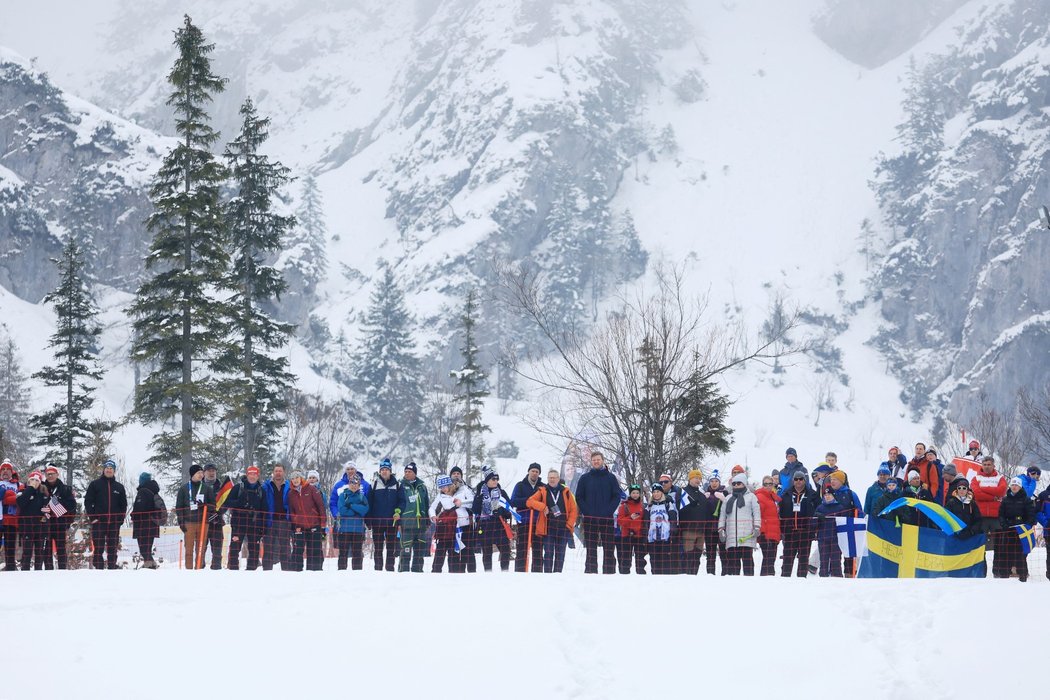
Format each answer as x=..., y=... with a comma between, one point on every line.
x=798, y=507
x=519, y=498
x=106, y=505
x=58, y=527
x=194, y=501
x=693, y=511
x=247, y=506
x=598, y=495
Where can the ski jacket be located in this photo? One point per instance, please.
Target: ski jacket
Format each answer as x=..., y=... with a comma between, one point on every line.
x=353, y=507
x=768, y=503
x=106, y=500
x=741, y=520
x=988, y=491
x=545, y=498
x=598, y=494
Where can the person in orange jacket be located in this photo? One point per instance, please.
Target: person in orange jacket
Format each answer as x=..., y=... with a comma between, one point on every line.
x=769, y=537
x=555, y=519
x=630, y=517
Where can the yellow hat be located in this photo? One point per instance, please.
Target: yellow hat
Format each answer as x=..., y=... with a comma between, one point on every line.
x=840, y=475
x=697, y=473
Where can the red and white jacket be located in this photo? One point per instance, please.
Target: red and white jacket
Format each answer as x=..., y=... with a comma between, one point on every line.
x=988, y=491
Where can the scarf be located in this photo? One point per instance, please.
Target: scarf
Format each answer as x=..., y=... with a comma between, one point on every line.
x=736, y=500
x=489, y=501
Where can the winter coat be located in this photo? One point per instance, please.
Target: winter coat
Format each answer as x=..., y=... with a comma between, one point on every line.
x=189, y=493
x=247, y=506
x=598, y=494
x=340, y=486
x=541, y=499
x=1042, y=504
x=788, y=473
x=767, y=503
x=931, y=474
x=65, y=496
x=1016, y=509
x=413, y=505
x=478, y=506
x=353, y=507
x=661, y=520
x=519, y=498
x=306, y=508
x=1029, y=484
x=741, y=524
x=883, y=501
x=988, y=491
x=872, y=495
x=31, y=504
x=9, y=502
x=898, y=469
x=106, y=498
x=270, y=493
x=444, y=502
x=148, y=512
x=716, y=502
x=968, y=513
x=801, y=520
x=694, y=508
x=844, y=503
x=631, y=527
x=382, y=501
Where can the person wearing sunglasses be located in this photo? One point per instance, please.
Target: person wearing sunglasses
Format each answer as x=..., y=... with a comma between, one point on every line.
x=962, y=505
x=1030, y=479
x=769, y=537
x=674, y=496
x=797, y=508
x=878, y=488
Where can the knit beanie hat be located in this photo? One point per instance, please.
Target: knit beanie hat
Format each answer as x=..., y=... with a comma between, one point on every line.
x=313, y=473
x=739, y=479
x=737, y=469
x=295, y=473
x=411, y=466
x=1016, y=481
x=443, y=481
x=838, y=474
x=695, y=473
x=193, y=469
x=144, y=478
x=883, y=469
x=791, y=451
x=454, y=470
x=913, y=475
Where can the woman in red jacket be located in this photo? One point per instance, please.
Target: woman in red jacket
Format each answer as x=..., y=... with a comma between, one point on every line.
x=307, y=513
x=769, y=538
x=630, y=516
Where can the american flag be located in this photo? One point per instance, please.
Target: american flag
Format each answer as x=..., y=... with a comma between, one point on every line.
x=57, y=510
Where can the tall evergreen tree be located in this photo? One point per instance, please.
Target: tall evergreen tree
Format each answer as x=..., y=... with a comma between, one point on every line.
x=471, y=381
x=15, y=436
x=179, y=314
x=305, y=243
x=260, y=380
x=65, y=428
x=387, y=369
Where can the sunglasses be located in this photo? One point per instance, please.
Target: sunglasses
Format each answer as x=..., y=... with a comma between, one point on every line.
x=767, y=483
x=665, y=482
x=799, y=478
x=962, y=487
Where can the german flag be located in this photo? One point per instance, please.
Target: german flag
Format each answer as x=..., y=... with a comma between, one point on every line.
x=223, y=494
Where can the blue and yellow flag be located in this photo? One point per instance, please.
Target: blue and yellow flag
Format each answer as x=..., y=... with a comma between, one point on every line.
x=920, y=552
x=1026, y=533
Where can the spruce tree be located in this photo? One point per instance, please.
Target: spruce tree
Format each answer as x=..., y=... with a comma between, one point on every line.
x=306, y=244
x=386, y=369
x=179, y=314
x=471, y=381
x=259, y=379
x=15, y=436
x=65, y=428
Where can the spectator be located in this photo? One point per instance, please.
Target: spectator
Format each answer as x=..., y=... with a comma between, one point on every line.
x=106, y=505
x=248, y=514
x=674, y=495
x=916, y=489
x=382, y=502
x=411, y=515
x=519, y=500
x=1030, y=480
x=791, y=466
x=148, y=514
x=489, y=518
x=444, y=512
x=713, y=543
x=948, y=475
x=1016, y=508
x=277, y=544
x=661, y=519
x=961, y=504
x=836, y=501
x=349, y=470
x=930, y=473
x=797, y=509
x=892, y=493
x=216, y=517
x=1042, y=506
x=973, y=451
x=465, y=495
x=9, y=488
x=192, y=503
x=919, y=458
x=851, y=506
x=820, y=474
x=739, y=525
x=694, y=511
x=32, y=521
x=556, y=517
x=898, y=464
x=598, y=497
x=630, y=517
x=769, y=537
x=306, y=512
x=353, y=507
x=58, y=527
x=989, y=488
x=878, y=488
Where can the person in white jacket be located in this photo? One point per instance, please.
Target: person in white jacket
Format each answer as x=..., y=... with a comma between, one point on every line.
x=465, y=495
x=450, y=519
x=738, y=526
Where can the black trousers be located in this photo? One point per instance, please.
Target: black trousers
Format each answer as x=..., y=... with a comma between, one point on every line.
x=632, y=547
x=489, y=534
x=215, y=542
x=9, y=537
x=714, y=545
x=351, y=548
x=737, y=557
x=277, y=545
x=250, y=540
x=599, y=532
x=385, y=536
x=447, y=549
x=57, y=532
x=769, y=556
x=105, y=539
x=554, y=544
x=662, y=558
x=34, y=539
x=1008, y=555
x=146, y=547
x=797, y=544
x=522, y=549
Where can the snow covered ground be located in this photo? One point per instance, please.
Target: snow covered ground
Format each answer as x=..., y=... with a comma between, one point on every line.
x=275, y=635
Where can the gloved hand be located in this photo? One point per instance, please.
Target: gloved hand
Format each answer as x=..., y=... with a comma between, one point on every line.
x=722, y=534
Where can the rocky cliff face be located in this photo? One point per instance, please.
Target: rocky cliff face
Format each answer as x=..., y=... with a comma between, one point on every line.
x=65, y=164
x=964, y=288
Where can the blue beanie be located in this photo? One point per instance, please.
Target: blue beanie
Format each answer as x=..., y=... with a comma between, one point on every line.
x=144, y=478
x=443, y=481
x=883, y=469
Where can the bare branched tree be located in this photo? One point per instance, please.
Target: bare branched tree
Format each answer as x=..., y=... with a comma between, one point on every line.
x=1000, y=434
x=1034, y=407
x=644, y=379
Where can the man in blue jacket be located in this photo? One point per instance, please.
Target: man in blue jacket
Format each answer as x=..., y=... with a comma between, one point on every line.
x=382, y=502
x=519, y=497
x=876, y=489
x=597, y=497
x=277, y=545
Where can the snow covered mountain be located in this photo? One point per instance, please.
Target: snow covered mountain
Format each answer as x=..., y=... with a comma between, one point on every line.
x=595, y=137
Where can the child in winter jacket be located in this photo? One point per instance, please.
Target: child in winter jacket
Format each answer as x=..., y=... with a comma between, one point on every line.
x=630, y=516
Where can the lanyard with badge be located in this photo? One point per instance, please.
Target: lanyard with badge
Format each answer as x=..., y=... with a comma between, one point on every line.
x=198, y=499
x=555, y=509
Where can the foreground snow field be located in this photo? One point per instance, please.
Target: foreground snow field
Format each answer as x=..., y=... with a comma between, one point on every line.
x=176, y=634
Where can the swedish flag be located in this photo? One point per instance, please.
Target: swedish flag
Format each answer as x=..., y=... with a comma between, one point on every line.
x=1026, y=533
x=919, y=552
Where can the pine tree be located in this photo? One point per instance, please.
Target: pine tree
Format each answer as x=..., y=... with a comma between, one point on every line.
x=471, y=382
x=305, y=244
x=65, y=428
x=15, y=437
x=256, y=394
x=179, y=314
x=387, y=369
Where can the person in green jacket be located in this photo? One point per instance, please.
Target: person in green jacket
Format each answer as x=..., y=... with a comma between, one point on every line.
x=411, y=514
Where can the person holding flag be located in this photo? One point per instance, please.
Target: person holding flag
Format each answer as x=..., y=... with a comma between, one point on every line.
x=192, y=505
x=961, y=504
x=444, y=512
x=9, y=488
x=247, y=506
x=63, y=508
x=32, y=520
x=216, y=516
x=526, y=537
x=464, y=533
x=490, y=517
x=413, y=506
x=693, y=511
x=1016, y=509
